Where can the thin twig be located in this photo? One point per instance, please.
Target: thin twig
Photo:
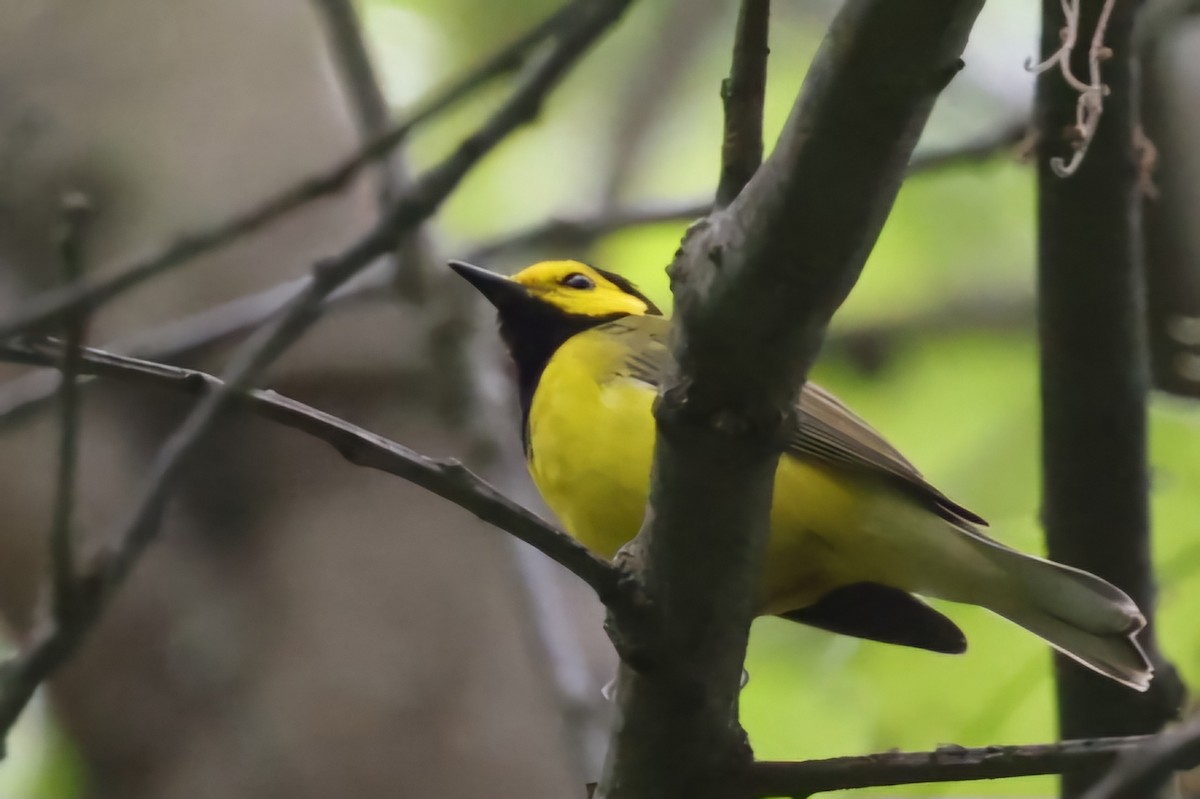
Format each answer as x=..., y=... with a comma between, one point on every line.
x=75, y=213
x=582, y=24
x=367, y=100
x=1142, y=771
x=446, y=478
x=38, y=312
x=948, y=764
x=580, y=232
x=346, y=39
x=668, y=52
x=198, y=332
x=1004, y=139
x=743, y=93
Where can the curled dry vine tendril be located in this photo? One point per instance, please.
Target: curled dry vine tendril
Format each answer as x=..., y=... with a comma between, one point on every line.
x=1092, y=93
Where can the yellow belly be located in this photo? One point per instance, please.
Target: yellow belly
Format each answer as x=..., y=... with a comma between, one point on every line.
x=591, y=447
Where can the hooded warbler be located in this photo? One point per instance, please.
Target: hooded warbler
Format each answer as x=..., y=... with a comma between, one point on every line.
x=856, y=530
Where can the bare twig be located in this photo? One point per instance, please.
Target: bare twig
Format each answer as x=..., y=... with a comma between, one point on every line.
x=1143, y=771
x=75, y=212
x=580, y=232
x=38, y=312
x=371, y=110
x=578, y=30
x=743, y=93
x=949, y=764
x=1090, y=105
x=200, y=331
x=446, y=478
x=370, y=107
x=667, y=53
x=1003, y=139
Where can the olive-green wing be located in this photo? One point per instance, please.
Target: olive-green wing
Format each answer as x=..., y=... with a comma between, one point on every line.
x=826, y=432
x=643, y=343
x=829, y=432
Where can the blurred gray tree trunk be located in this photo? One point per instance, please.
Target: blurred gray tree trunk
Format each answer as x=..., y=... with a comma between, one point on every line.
x=1171, y=109
x=305, y=628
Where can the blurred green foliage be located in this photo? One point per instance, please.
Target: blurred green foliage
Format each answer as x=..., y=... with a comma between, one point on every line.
x=962, y=405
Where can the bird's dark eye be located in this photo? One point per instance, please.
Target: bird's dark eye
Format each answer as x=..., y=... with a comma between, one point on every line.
x=576, y=280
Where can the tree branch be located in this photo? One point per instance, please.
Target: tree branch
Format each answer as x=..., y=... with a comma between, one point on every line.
x=1093, y=371
x=743, y=93
x=1003, y=138
x=585, y=23
x=1144, y=771
x=370, y=107
x=75, y=213
x=201, y=331
x=38, y=312
x=373, y=115
x=580, y=232
x=755, y=287
x=948, y=764
x=447, y=478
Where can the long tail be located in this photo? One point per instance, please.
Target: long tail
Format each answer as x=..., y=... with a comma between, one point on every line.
x=1079, y=614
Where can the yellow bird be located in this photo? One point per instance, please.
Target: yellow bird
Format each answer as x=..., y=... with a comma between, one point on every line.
x=856, y=530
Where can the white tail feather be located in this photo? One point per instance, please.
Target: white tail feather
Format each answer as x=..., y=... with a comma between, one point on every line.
x=1084, y=617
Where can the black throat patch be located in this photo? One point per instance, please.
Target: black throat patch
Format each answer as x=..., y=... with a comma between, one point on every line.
x=533, y=332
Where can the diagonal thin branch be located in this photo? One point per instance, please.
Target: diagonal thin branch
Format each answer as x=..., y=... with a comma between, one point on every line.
x=580, y=232
x=582, y=25
x=1143, y=771
x=951, y=764
x=198, y=332
x=1005, y=138
x=446, y=478
x=345, y=34
x=372, y=115
x=425, y=196
x=38, y=312
x=743, y=93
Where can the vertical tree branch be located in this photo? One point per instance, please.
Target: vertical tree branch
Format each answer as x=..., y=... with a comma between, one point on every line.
x=1094, y=379
x=755, y=287
x=75, y=211
x=743, y=93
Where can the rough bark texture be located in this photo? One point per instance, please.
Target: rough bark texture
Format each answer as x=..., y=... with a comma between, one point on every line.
x=1094, y=376
x=755, y=287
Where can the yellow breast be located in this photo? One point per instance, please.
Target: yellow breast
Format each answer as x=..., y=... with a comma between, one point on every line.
x=591, y=436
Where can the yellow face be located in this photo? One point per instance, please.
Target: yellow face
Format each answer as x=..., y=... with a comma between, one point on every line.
x=577, y=288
